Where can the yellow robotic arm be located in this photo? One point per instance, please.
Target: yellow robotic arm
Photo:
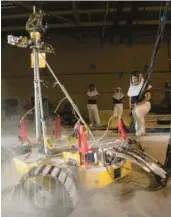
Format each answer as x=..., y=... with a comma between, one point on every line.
x=35, y=22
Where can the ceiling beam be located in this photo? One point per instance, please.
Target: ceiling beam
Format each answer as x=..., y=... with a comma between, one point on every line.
x=89, y=17
x=76, y=14
x=79, y=11
x=150, y=8
x=8, y=7
x=53, y=26
x=113, y=30
x=82, y=24
x=31, y=8
x=64, y=19
x=106, y=8
x=6, y=3
x=69, y=12
x=128, y=25
x=150, y=22
x=24, y=5
x=132, y=14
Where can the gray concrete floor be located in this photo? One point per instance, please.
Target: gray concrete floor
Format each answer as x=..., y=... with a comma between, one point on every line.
x=126, y=198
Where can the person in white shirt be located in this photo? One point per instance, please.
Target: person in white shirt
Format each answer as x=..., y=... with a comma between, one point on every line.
x=117, y=103
x=139, y=108
x=93, y=95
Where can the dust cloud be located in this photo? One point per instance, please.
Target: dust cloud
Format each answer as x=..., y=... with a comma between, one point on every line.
x=120, y=199
x=10, y=147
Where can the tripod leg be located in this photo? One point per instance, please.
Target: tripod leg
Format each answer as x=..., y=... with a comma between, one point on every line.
x=40, y=101
x=36, y=99
x=68, y=96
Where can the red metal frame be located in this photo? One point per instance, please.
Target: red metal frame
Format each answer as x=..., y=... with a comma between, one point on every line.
x=23, y=136
x=57, y=127
x=121, y=131
x=82, y=146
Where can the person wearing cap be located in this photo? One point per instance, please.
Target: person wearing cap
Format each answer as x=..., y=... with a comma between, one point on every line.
x=139, y=108
x=117, y=103
x=92, y=107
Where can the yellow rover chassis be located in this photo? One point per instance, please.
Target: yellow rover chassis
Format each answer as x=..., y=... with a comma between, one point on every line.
x=94, y=176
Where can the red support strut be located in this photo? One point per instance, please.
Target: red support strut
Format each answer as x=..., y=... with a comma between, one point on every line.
x=57, y=127
x=23, y=136
x=82, y=146
x=121, y=132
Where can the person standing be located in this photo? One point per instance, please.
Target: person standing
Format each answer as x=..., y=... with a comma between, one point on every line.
x=138, y=108
x=117, y=103
x=93, y=112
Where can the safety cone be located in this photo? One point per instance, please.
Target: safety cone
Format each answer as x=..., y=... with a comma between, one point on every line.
x=121, y=131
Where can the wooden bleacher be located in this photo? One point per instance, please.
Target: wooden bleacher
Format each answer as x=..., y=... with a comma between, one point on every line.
x=152, y=120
